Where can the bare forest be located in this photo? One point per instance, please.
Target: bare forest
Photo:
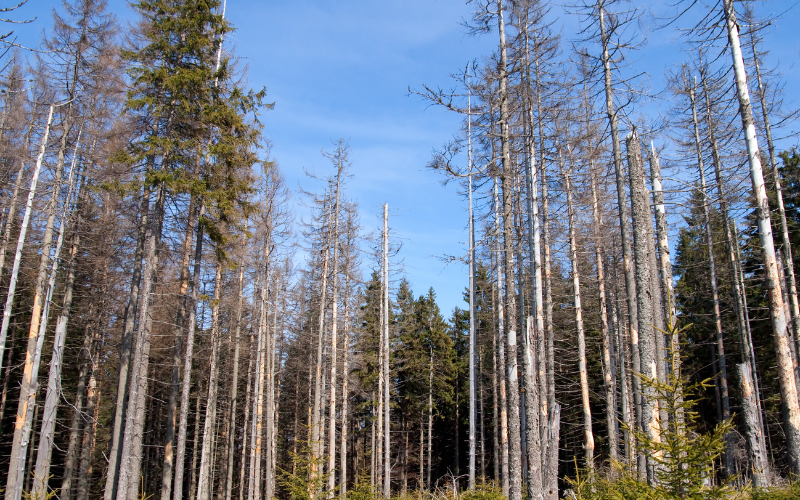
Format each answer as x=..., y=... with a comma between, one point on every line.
x=174, y=327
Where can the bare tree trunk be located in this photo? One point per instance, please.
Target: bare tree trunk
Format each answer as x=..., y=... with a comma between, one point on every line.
x=205, y=483
x=247, y=405
x=316, y=443
x=12, y=283
x=472, y=331
x=256, y=432
x=65, y=492
x=89, y=432
x=785, y=372
x=623, y=362
x=44, y=454
x=334, y=324
x=712, y=269
x=130, y=475
x=609, y=372
x=551, y=459
x=791, y=284
x=504, y=451
x=129, y=322
x=235, y=384
x=345, y=390
x=387, y=462
x=30, y=373
x=194, y=293
x=640, y=210
x=430, y=421
x=515, y=450
x=9, y=222
x=755, y=436
x=180, y=322
x=627, y=257
x=576, y=292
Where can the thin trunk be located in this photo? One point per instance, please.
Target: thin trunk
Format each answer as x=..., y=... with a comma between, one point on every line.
x=89, y=432
x=180, y=322
x=12, y=208
x=515, y=450
x=334, y=325
x=791, y=284
x=576, y=293
x=712, y=269
x=234, y=400
x=12, y=283
x=28, y=386
x=472, y=331
x=130, y=475
x=205, y=483
x=126, y=345
x=609, y=372
x=345, y=390
x=65, y=492
x=45, y=449
x=387, y=462
x=256, y=431
x=430, y=422
x=779, y=326
x=622, y=205
x=316, y=424
x=504, y=452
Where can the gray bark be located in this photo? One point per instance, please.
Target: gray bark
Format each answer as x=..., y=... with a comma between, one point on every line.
x=627, y=257
x=194, y=293
x=640, y=211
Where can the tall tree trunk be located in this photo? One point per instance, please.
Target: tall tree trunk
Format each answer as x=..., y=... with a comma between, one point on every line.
x=316, y=424
x=515, y=450
x=44, y=454
x=126, y=345
x=773, y=285
x=609, y=369
x=234, y=400
x=129, y=476
x=209, y=427
x=622, y=205
x=334, y=325
x=12, y=283
x=791, y=283
x=472, y=331
x=194, y=293
x=345, y=389
x=387, y=462
x=504, y=449
x=92, y=409
x=28, y=385
x=256, y=431
x=712, y=269
x=640, y=211
x=180, y=322
x=576, y=293
x=65, y=492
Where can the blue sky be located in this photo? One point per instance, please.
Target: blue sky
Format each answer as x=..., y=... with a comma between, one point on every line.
x=342, y=69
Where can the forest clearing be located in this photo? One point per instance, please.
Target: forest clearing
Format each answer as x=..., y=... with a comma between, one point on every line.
x=607, y=190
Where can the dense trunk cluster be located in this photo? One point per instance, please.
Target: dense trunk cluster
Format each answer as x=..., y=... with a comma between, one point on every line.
x=171, y=329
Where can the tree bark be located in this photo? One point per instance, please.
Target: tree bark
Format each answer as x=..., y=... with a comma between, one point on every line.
x=640, y=210
x=12, y=283
x=773, y=285
x=205, y=482
x=609, y=369
x=130, y=475
x=627, y=257
x=194, y=294
x=576, y=294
